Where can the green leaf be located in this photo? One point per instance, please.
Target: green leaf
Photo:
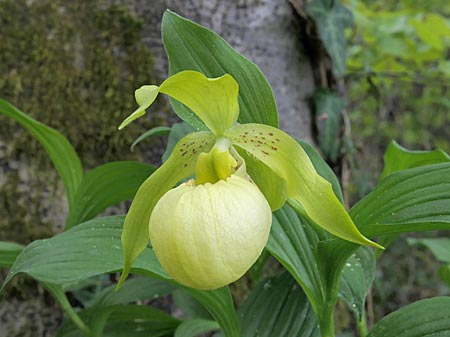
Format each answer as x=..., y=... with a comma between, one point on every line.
x=195, y=327
x=58, y=148
x=328, y=106
x=398, y=158
x=135, y=289
x=139, y=321
x=444, y=273
x=286, y=158
x=8, y=253
x=106, y=301
x=180, y=165
x=278, y=307
x=190, y=307
x=331, y=19
x=293, y=243
x=416, y=199
x=126, y=320
x=156, y=131
x=190, y=46
x=105, y=186
x=440, y=247
x=58, y=293
x=430, y=317
x=357, y=278
x=84, y=251
x=93, y=248
x=219, y=304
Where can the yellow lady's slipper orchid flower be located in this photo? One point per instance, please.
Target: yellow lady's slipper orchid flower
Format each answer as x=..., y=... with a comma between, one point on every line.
x=207, y=232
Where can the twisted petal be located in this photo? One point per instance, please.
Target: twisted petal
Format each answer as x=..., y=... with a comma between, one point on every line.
x=180, y=165
x=214, y=100
x=288, y=160
x=145, y=96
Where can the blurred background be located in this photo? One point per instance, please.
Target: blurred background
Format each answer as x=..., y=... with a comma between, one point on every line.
x=369, y=72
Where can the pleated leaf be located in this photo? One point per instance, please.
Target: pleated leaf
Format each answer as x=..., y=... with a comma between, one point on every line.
x=195, y=327
x=124, y=320
x=278, y=307
x=357, y=278
x=84, y=251
x=430, y=318
x=60, y=151
x=416, y=199
x=293, y=242
x=219, y=304
x=397, y=158
x=93, y=248
x=190, y=46
x=108, y=300
x=106, y=186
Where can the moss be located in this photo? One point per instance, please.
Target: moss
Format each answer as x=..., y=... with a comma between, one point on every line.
x=73, y=65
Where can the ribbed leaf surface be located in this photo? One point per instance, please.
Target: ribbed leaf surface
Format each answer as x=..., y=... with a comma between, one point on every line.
x=190, y=46
x=426, y=318
x=278, y=307
x=105, y=186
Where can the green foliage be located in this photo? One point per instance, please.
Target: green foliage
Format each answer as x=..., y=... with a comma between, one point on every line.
x=413, y=196
x=192, y=47
x=397, y=78
x=332, y=18
x=289, y=313
x=430, y=317
x=328, y=117
x=357, y=278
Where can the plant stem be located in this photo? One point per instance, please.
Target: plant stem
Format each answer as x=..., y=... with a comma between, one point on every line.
x=362, y=325
x=59, y=295
x=326, y=320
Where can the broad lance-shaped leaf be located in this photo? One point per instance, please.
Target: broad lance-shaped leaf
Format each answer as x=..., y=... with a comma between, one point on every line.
x=293, y=242
x=417, y=199
x=397, y=158
x=105, y=186
x=190, y=46
x=289, y=314
x=288, y=160
x=357, y=278
x=84, y=251
x=430, y=317
x=93, y=248
x=440, y=247
x=195, y=327
x=59, y=149
x=214, y=100
x=180, y=165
